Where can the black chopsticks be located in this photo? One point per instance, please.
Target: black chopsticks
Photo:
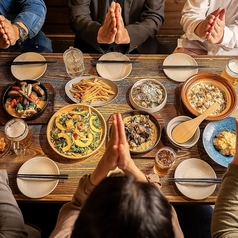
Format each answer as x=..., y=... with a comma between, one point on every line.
x=195, y=180
x=181, y=67
x=95, y=61
x=30, y=62
x=43, y=176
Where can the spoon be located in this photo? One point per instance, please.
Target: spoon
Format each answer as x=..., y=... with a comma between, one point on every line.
x=185, y=130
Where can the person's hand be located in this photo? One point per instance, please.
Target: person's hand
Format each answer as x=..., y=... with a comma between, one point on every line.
x=107, y=32
x=235, y=160
x=125, y=162
x=10, y=33
x=122, y=36
x=212, y=28
x=4, y=41
x=109, y=159
x=216, y=32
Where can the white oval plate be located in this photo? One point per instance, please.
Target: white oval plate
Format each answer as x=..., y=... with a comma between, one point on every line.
x=29, y=71
x=37, y=188
x=114, y=71
x=195, y=168
x=179, y=75
x=96, y=103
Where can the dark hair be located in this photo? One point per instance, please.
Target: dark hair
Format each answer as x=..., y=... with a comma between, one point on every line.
x=120, y=207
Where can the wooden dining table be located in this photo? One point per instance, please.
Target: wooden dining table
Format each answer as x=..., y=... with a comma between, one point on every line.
x=55, y=78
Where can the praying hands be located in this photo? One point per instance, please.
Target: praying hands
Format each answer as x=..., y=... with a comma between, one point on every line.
x=212, y=28
x=8, y=33
x=113, y=29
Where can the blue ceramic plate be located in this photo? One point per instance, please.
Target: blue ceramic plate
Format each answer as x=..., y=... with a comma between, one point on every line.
x=210, y=132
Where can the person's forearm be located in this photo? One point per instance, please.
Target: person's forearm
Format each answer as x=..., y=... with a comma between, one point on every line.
x=225, y=216
x=11, y=219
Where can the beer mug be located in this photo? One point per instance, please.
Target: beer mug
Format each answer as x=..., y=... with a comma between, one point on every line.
x=230, y=72
x=17, y=131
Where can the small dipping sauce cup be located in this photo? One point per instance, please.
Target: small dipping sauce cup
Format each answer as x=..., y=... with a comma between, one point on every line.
x=74, y=62
x=230, y=73
x=17, y=131
x=164, y=159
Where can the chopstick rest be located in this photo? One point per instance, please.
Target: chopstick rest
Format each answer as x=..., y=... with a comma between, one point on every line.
x=43, y=176
x=30, y=62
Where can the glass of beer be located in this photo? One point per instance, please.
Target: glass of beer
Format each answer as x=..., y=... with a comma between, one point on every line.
x=164, y=159
x=17, y=131
x=74, y=63
x=230, y=72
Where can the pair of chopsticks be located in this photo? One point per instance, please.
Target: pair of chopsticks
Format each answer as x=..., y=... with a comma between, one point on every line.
x=43, y=176
x=30, y=62
x=195, y=180
x=96, y=61
x=181, y=67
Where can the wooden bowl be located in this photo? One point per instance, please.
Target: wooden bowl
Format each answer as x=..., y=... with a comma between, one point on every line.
x=218, y=83
x=78, y=136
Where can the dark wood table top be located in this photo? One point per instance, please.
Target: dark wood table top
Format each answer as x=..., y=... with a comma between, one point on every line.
x=55, y=79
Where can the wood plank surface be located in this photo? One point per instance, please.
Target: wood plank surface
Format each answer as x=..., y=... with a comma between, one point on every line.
x=146, y=67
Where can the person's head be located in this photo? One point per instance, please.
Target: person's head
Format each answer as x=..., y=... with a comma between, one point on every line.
x=120, y=207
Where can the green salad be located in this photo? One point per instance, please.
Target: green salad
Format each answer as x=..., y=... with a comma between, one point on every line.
x=77, y=132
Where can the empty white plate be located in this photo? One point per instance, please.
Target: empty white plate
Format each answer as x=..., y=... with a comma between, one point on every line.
x=114, y=71
x=29, y=71
x=179, y=75
x=195, y=168
x=37, y=188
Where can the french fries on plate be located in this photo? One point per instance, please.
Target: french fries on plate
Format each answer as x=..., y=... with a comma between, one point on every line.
x=89, y=90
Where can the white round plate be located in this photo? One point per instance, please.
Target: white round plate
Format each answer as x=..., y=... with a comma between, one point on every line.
x=195, y=168
x=29, y=71
x=179, y=75
x=114, y=71
x=96, y=103
x=37, y=188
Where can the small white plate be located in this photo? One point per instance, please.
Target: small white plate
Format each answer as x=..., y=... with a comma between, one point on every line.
x=95, y=103
x=179, y=75
x=37, y=188
x=114, y=71
x=29, y=71
x=195, y=168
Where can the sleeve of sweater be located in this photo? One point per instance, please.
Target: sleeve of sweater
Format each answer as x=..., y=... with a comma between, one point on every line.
x=225, y=216
x=11, y=219
x=70, y=211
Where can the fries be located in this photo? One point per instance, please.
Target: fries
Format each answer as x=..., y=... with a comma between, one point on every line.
x=88, y=90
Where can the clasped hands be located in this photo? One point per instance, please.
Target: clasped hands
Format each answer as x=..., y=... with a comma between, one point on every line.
x=117, y=154
x=113, y=29
x=212, y=28
x=9, y=33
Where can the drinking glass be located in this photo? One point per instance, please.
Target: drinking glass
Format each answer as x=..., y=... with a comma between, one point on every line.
x=230, y=72
x=164, y=159
x=74, y=62
x=17, y=131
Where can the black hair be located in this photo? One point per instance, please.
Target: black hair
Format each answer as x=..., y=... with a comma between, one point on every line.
x=120, y=207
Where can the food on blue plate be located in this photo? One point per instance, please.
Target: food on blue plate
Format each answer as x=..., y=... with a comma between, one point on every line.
x=225, y=142
x=148, y=94
x=141, y=132
x=89, y=90
x=77, y=132
x=25, y=99
x=202, y=95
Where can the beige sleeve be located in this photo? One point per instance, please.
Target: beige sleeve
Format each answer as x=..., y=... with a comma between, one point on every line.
x=70, y=211
x=225, y=216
